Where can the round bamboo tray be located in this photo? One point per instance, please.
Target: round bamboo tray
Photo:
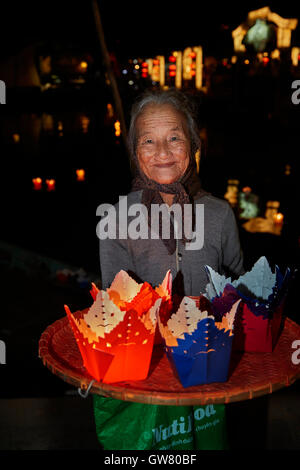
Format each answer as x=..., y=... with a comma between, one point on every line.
x=250, y=374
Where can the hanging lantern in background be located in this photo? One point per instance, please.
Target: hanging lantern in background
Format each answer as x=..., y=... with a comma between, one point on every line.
x=50, y=185
x=117, y=128
x=83, y=66
x=178, y=75
x=37, y=183
x=80, y=174
x=172, y=70
x=110, y=110
x=145, y=69
x=192, y=65
x=16, y=138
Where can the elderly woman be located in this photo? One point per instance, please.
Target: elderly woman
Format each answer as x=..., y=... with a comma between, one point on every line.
x=163, y=140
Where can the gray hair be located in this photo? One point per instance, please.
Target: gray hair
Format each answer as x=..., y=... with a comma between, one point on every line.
x=172, y=97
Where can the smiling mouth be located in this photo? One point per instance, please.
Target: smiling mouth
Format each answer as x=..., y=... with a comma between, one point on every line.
x=164, y=165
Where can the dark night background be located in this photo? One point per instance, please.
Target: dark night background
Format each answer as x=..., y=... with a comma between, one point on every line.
x=133, y=28
x=251, y=132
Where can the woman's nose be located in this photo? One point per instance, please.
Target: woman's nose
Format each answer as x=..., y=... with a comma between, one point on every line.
x=162, y=150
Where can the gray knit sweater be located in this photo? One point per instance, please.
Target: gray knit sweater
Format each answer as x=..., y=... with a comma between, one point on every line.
x=149, y=259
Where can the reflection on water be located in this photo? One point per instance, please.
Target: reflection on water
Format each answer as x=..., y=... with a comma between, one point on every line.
x=54, y=144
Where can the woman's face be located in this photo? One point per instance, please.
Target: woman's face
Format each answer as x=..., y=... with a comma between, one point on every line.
x=163, y=146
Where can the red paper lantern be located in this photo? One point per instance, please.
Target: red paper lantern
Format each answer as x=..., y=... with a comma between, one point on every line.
x=37, y=183
x=50, y=185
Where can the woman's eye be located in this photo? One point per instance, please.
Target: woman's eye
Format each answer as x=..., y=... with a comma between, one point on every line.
x=148, y=141
x=174, y=138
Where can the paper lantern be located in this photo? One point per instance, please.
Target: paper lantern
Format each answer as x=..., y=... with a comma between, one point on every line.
x=110, y=110
x=116, y=334
x=259, y=319
x=37, y=183
x=50, y=185
x=80, y=174
x=278, y=219
x=198, y=347
x=117, y=126
x=83, y=66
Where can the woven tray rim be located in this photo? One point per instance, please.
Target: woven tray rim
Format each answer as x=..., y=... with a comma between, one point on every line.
x=120, y=392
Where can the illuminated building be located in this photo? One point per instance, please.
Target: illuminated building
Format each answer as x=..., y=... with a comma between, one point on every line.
x=258, y=26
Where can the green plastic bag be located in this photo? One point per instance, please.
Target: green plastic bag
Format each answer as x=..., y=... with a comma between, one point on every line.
x=122, y=425
x=210, y=427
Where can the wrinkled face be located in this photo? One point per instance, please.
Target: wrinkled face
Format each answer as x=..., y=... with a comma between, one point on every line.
x=163, y=145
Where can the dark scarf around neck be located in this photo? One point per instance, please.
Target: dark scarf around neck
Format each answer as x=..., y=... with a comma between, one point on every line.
x=185, y=190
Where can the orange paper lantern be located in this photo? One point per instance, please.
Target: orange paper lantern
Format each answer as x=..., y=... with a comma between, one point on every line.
x=278, y=218
x=116, y=335
x=80, y=174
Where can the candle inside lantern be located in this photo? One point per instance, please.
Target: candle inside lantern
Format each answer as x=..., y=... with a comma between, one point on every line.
x=50, y=185
x=80, y=173
x=278, y=219
x=37, y=183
